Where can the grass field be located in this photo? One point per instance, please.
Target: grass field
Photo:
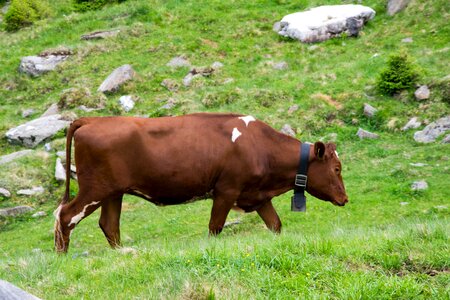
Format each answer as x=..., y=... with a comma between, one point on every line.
x=388, y=242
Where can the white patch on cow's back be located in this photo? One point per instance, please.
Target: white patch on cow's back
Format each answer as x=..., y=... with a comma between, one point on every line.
x=235, y=134
x=77, y=218
x=337, y=155
x=247, y=120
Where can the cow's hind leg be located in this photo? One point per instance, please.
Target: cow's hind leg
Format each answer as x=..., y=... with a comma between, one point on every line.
x=110, y=220
x=70, y=214
x=270, y=217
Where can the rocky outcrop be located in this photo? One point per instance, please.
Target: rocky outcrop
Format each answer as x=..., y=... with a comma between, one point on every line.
x=30, y=192
x=430, y=133
x=324, y=22
x=9, y=291
x=369, y=110
x=118, y=77
x=412, y=123
x=5, y=193
x=36, y=131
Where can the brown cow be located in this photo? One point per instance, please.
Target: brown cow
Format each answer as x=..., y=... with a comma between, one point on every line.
x=236, y=160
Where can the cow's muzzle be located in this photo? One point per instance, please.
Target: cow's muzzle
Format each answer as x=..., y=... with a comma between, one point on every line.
x=340, y=202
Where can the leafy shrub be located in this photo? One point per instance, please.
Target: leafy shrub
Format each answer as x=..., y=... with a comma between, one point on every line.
x=23, y=13
x=85, y=5
x=400, y=74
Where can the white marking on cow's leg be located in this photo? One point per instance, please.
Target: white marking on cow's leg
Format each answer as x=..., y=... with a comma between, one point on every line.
x=337, y=155
x=247, y=119
x=77, y=218
x=236, y=133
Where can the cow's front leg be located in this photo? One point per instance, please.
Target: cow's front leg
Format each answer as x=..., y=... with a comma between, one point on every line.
x=270, y=217
x=110, y=220
x=222, y=205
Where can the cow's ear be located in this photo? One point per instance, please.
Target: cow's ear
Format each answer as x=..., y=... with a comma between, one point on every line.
x=319, y=150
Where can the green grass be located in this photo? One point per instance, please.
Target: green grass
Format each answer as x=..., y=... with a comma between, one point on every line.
x=373, y=248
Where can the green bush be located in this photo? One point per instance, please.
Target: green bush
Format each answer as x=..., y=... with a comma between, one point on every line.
x=85, y=5
x=23, y=13
x=399, y=75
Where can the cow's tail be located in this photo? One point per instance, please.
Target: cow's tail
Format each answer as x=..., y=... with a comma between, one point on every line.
x=70, y=132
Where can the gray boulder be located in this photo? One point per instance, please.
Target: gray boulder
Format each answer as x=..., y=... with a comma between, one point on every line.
x=5, y=193
x=422, y=93
x=412, y=123
x=364, y=134
x=30, y=192
x=96, y=35
x=369, y=110
x=37, y=65
x=395, y=6
x=14, y=211
x=324, y=22
x=9, y=291
x=4, y=159
x=118, y=77
x=430, y=133
x=36, y=131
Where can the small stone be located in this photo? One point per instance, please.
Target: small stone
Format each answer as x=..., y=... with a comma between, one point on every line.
x=171, y=103
x=404, y=203
x=422, y=93
x=441, y=207
x=419, y=165
x=47, y=147
x=39, y=214
x=60, y=171
x=126, y=102
x=292, y=109
x=280, y=65
x=313, y=47
x=407, y=40
x=217, y=65
x=15, y=211
x=364, y=134
x=82, y=254
x=187, y=80
x=228, y=80
x=87, y=109
x=5, y=193
x=375, y=55
x=31, y=192
x=178, y=62
x=127, y=250
x=52, y=110
x=170, y=84
x=412, y=124
x=419, y=185
x=395, y=6
x=287, y=129
x=369, y=110
x=446, y=140
x=13, y=156
x=27, y=112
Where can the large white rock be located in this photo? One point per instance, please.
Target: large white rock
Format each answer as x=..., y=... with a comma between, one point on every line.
x=324, y=22
x=36, y=65
x=13, y=212
x=36, y=131
x=9, y=291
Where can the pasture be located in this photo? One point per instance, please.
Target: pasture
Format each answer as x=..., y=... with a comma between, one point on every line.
x=388, y=242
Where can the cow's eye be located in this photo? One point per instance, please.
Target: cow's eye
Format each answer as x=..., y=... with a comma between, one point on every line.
x=337, y=170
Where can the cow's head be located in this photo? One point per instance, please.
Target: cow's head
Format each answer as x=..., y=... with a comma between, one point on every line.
x=324, y=175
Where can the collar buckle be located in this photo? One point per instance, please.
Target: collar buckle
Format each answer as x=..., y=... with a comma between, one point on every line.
x=300, y=180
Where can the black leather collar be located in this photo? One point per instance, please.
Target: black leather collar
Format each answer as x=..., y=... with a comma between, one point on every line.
x=298, y=201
